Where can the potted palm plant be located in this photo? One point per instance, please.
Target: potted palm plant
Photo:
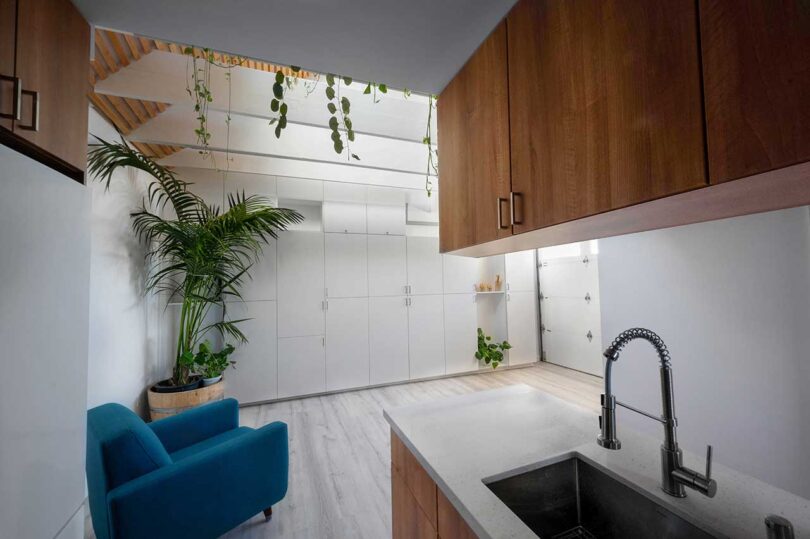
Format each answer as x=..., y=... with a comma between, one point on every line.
x=197, y=252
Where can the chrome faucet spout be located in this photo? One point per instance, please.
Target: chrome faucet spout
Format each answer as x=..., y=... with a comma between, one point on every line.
x=674, y=475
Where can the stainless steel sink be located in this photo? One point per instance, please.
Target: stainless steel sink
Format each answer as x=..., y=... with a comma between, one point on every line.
x=572, y=499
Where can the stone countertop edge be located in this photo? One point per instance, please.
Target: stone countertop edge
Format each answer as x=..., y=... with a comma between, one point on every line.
x=529, y=429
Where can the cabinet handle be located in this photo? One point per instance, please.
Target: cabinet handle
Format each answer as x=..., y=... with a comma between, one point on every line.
x=34, y=125
x=512, y=206
x=16, y=104
x=501, y=200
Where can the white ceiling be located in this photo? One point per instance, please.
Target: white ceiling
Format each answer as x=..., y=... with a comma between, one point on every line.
x=416, y=44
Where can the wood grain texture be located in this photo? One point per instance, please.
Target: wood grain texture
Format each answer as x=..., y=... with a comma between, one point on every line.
x=53, y=50
x=756, y=65
x=408, y=521
x=8, y=23
x=605, y=105
x=422, y=487
x=451, y=525
x=168, y=404
x=472, y=123
x=340, y=464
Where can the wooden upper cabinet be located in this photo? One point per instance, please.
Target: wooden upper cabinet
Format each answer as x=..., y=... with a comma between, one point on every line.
x=605, y=106
x=8, y=18
x=52, y=55
x=756, y=70
x=473, y=127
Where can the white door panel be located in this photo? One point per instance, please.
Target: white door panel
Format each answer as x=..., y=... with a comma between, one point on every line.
x=424, y=265
x=301, y=366
x=521, y=315
x=346, y=343
x=344, y=192
x=386, y=219
x=387, y=266
x=569, y=277
x=261, y=284
x=574, y=350
x=345, y=217
x=460, y=333
x=573, y=315
x=300, y=284
x=520, y=271
x=346, y=266
x=254, y=377
x=388, y=339
x=460, y=274
x=298, y=189
x=426, y=336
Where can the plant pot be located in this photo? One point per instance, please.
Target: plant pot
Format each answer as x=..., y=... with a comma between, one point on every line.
x=165, y=386
x=165, y=404
x=211, y=381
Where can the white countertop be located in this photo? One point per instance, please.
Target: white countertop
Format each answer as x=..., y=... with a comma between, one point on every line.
x=465, y=439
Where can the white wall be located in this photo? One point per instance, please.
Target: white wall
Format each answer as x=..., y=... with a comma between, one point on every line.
x=44, y=290
x=731, y=299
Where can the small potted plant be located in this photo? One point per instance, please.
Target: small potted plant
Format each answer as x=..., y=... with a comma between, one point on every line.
x=489, y=352
x=210, y=365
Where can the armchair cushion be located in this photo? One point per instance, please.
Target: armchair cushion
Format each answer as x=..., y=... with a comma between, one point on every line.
x=209, y=443
x=196, y=425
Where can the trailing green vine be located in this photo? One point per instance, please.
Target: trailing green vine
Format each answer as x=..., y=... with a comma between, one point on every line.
x=198, y=86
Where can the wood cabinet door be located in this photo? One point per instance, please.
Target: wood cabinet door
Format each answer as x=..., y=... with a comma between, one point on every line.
x=756, y=70
x=605, y=106
x=53, y=51
x=8, y=24
x=473, y=130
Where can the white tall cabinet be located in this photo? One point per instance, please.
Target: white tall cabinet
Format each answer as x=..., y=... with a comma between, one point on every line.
x=346, y=265
x=521, y=307
x=347, y=351
x=388, y=339
x=460, y=332
x=424, y=266
x=301, y=366
x=426, y=335
x=301, y=284
x=387, y=266
x=255, y=376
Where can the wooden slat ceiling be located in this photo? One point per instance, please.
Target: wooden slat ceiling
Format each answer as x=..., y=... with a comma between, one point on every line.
x=116, y=50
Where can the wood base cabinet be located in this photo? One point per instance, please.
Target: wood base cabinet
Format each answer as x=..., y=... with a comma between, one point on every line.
x=43, y=63
x=419, y=508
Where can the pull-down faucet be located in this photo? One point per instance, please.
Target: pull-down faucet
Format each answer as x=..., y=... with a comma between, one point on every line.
x=674, y=475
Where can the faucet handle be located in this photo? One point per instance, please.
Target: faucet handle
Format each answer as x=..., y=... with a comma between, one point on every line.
x=708, y=463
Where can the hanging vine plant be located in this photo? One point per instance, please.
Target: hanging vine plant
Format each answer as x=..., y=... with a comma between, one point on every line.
x=339, y=106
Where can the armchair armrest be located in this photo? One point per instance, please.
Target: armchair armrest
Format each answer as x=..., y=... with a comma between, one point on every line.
x=197, y=424
x=206, y=494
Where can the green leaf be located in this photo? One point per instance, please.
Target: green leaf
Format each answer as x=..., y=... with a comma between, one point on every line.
x=278, y=131
x=188, y=50
x=331, y=107
x=383, y=88
x=338, y=147
x=295, y=69
x=345, y=104
x=335, y=136
x=333, y=123
x=347, y=80
x=478, y=355
x=283, y=109
x=330, y=79
x=274, y=105
x=348, y=123
x=330, y=93
x=355, y=157
x=278, y=91
x=273, y=120
x=350, y=135
x=282, y=122
x=368, y=89
x=279, y=77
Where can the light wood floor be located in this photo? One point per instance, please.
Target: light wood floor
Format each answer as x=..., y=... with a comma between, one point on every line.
x=339, y=482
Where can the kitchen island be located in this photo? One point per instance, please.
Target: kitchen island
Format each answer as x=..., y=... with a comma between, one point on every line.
x=455, y=446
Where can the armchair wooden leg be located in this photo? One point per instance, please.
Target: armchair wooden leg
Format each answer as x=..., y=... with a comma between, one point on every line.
x=268, y=513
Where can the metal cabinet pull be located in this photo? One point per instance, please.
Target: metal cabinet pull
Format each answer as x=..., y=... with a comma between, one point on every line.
x=512, y=206
x=501, y=200
x=34, y=125
x=16, y=105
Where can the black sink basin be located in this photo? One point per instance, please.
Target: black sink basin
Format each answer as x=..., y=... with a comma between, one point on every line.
x=572, y=499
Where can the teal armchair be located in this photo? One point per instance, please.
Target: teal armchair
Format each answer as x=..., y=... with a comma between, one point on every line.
x=194, y=475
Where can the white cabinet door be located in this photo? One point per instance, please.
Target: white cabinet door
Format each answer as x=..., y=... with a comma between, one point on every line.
x=460, y=333
x=424, y=266
x=346, y=343
x=298, y=189
x=386, y=219
x=346, y=266
x=460, y=274
x=388, y=339
x=345, y=217
x=260, y=285
x=520, y=274
x=301, y=366
x=254, y=378
x=344, y=192
x=300, y=284
x=426, y=336
x=387, y=266
x=521, y=320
